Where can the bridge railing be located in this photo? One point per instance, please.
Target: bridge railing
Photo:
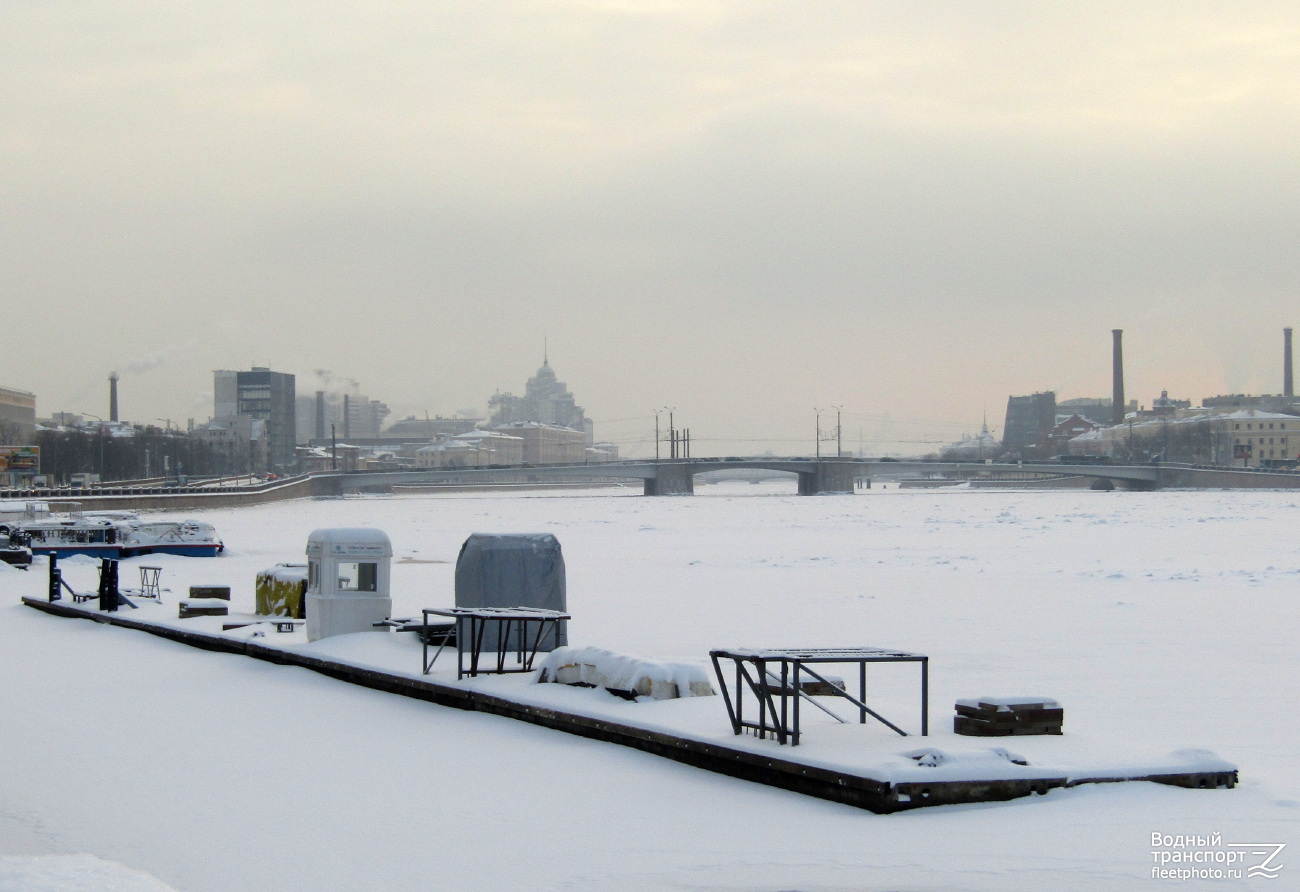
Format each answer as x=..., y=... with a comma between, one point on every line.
x=112, y=489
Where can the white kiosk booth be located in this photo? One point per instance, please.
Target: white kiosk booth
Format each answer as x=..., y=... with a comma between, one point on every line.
x=347, y=581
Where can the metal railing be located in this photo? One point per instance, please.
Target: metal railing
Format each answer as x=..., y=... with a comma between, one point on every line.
x=103, y=490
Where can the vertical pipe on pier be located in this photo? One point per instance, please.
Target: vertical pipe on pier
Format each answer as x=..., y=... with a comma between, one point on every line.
x=1288, y=385
x=1117, y=394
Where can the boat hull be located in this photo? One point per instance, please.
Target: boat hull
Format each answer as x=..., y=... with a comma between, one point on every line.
x=117, y=552
x=185, y=550
x=70, y=549
x=121, y=538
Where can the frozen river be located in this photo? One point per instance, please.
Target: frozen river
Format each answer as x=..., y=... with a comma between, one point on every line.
x=1161, y=621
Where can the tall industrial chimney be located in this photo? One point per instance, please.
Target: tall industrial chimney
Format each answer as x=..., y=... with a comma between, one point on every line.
x=1117, y=393
x=347, y=418
x=320, y=415
x=1288, y=386
x=112, y=394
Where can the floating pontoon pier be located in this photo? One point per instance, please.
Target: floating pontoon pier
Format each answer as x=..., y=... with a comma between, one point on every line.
x=893, y=782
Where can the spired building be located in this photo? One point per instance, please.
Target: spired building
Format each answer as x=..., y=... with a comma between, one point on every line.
x=979, y=448
x=546, y=400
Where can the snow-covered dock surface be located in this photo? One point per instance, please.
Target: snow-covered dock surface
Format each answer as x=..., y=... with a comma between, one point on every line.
x=1160, y=621
x=854, y=750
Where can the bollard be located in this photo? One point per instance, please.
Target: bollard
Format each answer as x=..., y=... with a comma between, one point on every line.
x=108, y=585
x=56, y=577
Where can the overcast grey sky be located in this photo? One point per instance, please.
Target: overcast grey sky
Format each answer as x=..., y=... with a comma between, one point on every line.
x=743, y=210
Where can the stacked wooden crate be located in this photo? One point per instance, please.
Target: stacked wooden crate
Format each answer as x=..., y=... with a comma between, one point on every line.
x=1008, y=716
x=206, y=600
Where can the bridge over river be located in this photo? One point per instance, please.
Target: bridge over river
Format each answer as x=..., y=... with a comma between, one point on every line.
x=667, y=477
x=817, y=476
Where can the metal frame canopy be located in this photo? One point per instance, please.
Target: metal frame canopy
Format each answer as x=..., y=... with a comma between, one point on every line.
x=783, y=722
x=479, y=618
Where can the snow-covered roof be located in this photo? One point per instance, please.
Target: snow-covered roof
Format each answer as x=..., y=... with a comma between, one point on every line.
x=468, y=440
x=1256, y=414
x=446, y=446
x=21, y=505
x=1192, y=416
x=538, y=424
x=485, y=435
x=349, y=536
x=350, y=542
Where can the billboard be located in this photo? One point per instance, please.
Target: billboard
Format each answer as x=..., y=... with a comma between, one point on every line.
x=20, y=459
x=1241, y=450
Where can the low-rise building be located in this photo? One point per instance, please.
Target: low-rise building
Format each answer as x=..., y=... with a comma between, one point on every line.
x=239, y=443
x=1074, y=426
x=598, y=452
x=448, y=454
x=472, y=449
x=1094, y=444
x=548, y=444
x=313, y=458
x=384, y=461
x=340, y=457
x=1226, y=437
x=1253, y=438
x=1284, y=405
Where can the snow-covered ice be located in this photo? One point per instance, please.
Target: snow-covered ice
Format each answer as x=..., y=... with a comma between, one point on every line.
x=1160, y=621
x=72, y=873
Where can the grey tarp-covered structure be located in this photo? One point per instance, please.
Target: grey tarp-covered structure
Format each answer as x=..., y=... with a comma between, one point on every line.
x=518, y=570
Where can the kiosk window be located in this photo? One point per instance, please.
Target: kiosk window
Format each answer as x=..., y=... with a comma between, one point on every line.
x=313, y=575
x=358, y=577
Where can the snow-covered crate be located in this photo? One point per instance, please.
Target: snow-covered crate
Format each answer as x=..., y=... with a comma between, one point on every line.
x=1008, y=716
x=191, y=607
x=624, y=675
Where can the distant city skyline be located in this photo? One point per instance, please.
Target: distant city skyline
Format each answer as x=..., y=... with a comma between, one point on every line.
x=889, y=433
x=740, y=211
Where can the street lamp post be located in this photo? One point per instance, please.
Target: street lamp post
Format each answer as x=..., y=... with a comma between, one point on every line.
x=167, y=422
x=672, y=439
